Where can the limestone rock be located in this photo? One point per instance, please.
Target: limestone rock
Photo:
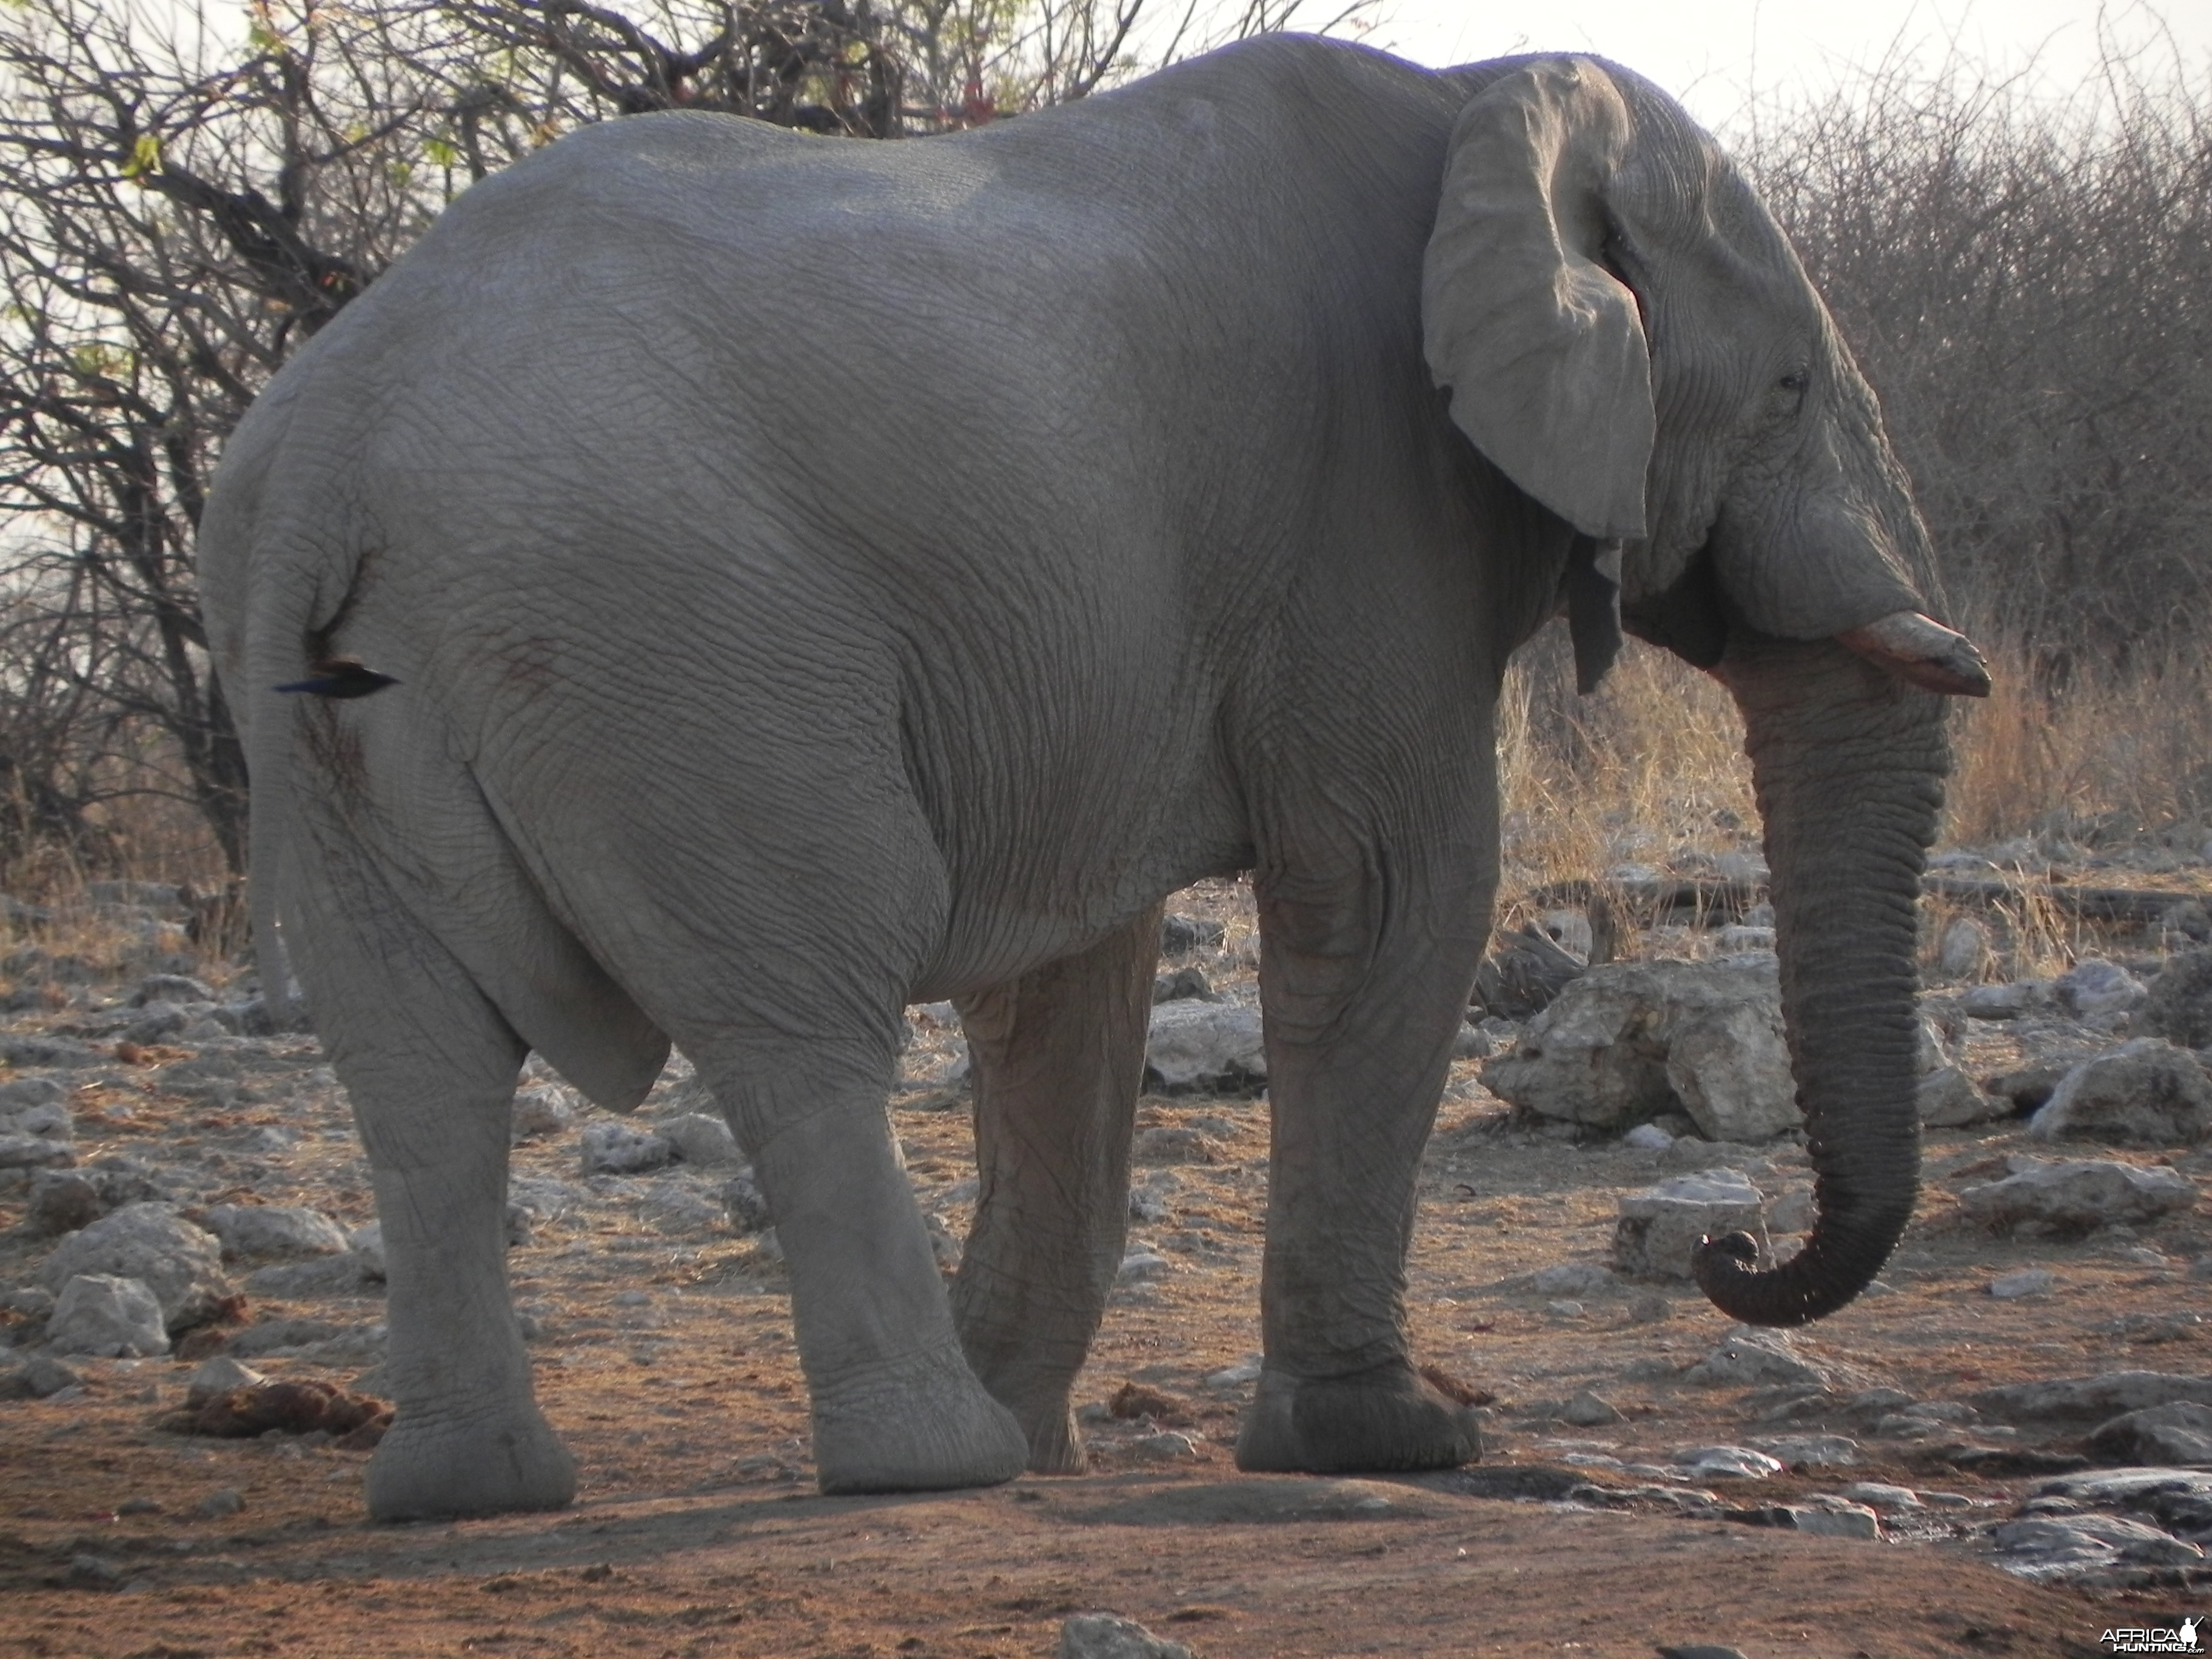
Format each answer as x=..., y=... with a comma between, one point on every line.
x=701, y=1139
x=2011, y=1001
x=2179, y=1006
x=60, y=1201
x=1631, y=1040
x=106, y=1314
x=1524, y=975
x=618, y=1148
x=35, y=1152
x=181, y=1263
x=2065, y=1546
x=1661, y=1225
x=1203, y=1045
x=1747, y=1358
x=1181, y=935
x=2178, y=1432
x=2145, y=1093
x=745, y=1204
x=2089, y=1398
x=37, y=1379
x=1947, y=1099
x=274, y=1231
x=2076, y=1197
x=1964, y=951
x=1107, y=1635
x=217, y=1376
x=1724, y=1463
x=539, y=1111
x=2095, y=991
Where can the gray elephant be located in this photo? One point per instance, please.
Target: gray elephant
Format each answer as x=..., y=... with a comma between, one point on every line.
x=801, y=577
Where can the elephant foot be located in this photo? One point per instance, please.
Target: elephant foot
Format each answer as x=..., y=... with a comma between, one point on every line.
x=426, y=1469
x=1387, y=1420
x=1056, y=1444
x=923, y=1425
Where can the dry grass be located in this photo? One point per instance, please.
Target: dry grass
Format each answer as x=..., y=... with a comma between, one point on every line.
x=2120, y=757
x=1649, y=769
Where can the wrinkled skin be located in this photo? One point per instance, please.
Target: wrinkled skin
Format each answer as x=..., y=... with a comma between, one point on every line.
x=820, y=576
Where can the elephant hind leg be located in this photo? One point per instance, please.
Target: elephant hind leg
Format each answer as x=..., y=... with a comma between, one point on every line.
x=430, y=1067
x=1059, y=1057
x=896, y=1408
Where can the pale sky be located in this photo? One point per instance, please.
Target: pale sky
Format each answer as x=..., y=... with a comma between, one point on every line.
x=1714, y=54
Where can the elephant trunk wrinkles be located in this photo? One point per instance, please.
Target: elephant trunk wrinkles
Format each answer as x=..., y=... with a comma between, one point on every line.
x=1849, y=766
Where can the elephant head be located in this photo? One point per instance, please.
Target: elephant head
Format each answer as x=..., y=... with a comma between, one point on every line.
x=1626, y=334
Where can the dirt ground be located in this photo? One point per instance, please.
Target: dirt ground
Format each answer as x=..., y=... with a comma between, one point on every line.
x=697, y=1530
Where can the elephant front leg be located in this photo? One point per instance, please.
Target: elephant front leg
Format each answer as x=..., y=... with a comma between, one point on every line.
x=1363, y=985
x=1059, y=1057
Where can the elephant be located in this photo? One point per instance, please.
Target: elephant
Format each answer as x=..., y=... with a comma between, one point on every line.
x=730, y=584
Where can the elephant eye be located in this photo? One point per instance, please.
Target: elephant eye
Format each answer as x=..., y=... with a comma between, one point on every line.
x=1796, y=380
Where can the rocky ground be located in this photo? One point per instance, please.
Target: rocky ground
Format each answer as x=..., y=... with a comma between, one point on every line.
x=2004, y=1447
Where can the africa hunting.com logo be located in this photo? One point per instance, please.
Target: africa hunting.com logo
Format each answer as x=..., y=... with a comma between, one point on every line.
x=2158, y=1636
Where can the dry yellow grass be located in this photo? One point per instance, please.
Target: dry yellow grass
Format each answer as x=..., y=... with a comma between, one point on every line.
x=1651, y=767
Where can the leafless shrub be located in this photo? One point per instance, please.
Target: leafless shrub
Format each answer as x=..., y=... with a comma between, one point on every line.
x=2028, y=284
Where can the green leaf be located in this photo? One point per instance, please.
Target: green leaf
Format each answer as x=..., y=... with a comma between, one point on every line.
x=442, y=154
x=145, y=157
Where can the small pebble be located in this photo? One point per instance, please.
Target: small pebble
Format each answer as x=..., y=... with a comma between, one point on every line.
x=225, y=1500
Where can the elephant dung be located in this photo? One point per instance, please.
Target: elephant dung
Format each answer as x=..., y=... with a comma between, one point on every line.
x=1661, y=1225
x=181, y=1263
x=1631, y=1040
x=2144, y=1093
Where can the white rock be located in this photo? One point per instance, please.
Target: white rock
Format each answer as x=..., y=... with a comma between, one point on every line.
x=1879, y=1496
x=1747, y=1358
x=106, y=1314
x=1825, y=1517
x=618, y=1148
x=2006, y=1001
x=2145, y=1093
x=1565, y=1279
x=274, y=1230
x=1166, y=1446
x=545, y=1110
x=1947, y=1099
x=2097, y=990
x=1792, y=1212
x=2054, y=1546
x=216, y=1375
x=2028, y=1281
x=1661, y=1225
x=1648, y=1138
x=1140, y=1265
x=1965, y=949
x=2077, y=1196
x=700, y=1138
x=368, y=1244
x=35, y=1152
x=181, y=1263
x=1820, y=1451
x=1245, y=1370
x=1106, y=1636
x=1192, y=1045
x=1724, y=1463
x=1628, y=1040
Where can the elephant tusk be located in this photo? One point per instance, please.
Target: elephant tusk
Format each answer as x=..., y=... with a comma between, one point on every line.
x=1924, y=652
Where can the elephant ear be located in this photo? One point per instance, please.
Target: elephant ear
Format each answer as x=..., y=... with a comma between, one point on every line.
x=1542, y=348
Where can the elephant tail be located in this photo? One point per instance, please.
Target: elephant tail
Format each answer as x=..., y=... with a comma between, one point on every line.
x=293, y=607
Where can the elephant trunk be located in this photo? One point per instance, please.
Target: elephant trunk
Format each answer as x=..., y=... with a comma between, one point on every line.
x=1848, y=763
